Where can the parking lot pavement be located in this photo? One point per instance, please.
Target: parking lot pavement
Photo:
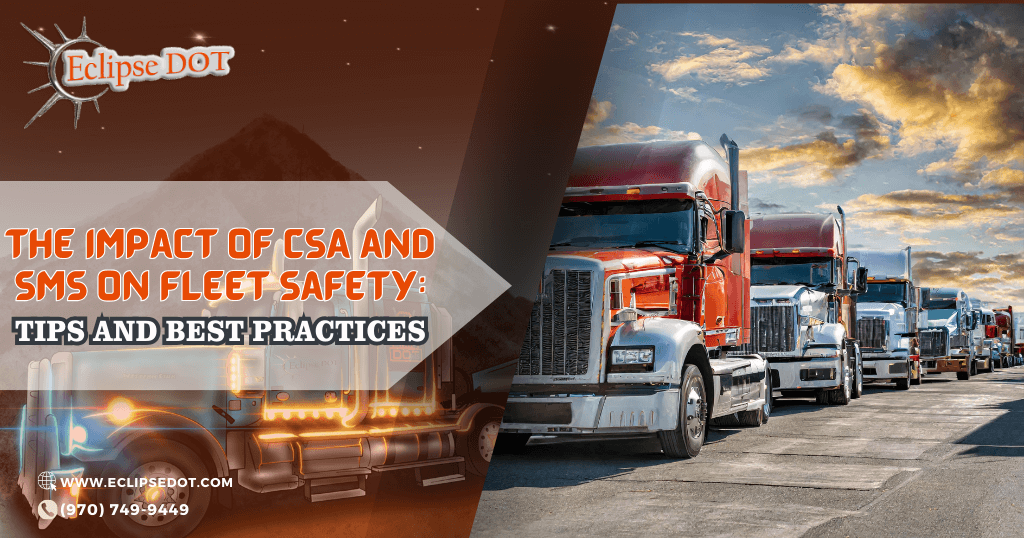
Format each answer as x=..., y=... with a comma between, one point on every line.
x=945, y=458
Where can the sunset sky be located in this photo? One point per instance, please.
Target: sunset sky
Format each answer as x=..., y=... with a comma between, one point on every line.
x=909, y=116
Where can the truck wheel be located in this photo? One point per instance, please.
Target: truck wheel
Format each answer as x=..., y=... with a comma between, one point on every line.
x=844, y=394
x=903, y=384
x=963, y=376
x=858, y=386
x=685, y=441
x=477, y=445
x=155, y=459
x=768, y=403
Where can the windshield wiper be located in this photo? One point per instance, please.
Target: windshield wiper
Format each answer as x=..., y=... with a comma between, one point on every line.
x=562, y=244
x=659, y=244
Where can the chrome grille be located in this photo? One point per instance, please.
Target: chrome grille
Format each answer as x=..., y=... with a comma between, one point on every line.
x=558, y=339
x=933, y=343
x=872, y=333
x=773, y=328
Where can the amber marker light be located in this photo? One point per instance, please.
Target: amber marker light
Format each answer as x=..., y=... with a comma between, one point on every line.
x=120, y=410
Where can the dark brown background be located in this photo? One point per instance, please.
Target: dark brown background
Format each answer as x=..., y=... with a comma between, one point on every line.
x=497, y=141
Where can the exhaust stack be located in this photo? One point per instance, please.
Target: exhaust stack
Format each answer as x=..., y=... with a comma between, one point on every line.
x=733, y=152
x=361, y=308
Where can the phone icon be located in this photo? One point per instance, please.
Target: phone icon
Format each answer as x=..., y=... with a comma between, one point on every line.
x=47, y=509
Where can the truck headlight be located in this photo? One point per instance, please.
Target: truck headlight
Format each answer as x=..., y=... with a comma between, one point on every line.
x=632, y=359
x=633, y=355
x=79, y=435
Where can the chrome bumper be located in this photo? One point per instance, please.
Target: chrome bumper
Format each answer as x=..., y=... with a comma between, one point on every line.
x=593, y=414
x=799, y=375
x=885, y=367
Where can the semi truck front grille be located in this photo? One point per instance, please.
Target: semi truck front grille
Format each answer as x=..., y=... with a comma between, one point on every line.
x=773, y=328
x=558, y=339
x=933, y=343
x=872, y=333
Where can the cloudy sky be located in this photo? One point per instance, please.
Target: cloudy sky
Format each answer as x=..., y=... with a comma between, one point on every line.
x=909, y=116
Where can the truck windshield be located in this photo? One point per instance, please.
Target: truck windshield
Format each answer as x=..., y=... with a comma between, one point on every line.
x=776, y=272
x=665, y=222
x=941, y=313
x=938, y=303
x=884, y=292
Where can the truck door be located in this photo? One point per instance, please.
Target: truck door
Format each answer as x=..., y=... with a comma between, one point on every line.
x=305, y=376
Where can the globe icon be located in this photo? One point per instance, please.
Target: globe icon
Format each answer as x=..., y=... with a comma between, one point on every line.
x=47, y=481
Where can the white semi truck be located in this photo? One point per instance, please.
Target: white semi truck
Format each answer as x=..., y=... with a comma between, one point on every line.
x=887, y=316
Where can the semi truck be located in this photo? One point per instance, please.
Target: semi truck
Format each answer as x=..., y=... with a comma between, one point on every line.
x=987, y=350
x=644, y=290
x=247, y=422
x=887, y=317
x=1010, y=332
x=803, y=305
x=946, y=340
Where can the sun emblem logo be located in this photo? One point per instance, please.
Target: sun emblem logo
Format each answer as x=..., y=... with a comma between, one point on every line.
x=60, y=92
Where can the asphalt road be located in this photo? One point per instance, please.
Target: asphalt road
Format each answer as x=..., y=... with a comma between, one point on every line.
x=945, y=458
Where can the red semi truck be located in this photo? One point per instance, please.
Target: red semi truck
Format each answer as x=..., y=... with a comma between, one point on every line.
x=1007, y=330
x=804, y=313
x=644, y=292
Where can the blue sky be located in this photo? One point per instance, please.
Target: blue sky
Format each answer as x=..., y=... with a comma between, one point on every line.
x=906, y=115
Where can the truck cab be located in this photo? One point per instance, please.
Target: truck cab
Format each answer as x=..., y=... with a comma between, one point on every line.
x=887, y=317
x=645, y=288
x=803, y=310
x=946, y=338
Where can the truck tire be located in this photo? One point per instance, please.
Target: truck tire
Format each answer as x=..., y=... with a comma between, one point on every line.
x=766, y=411
x=963, y=376
x=903, y=384
x=858, y=385
x=685, y=441
x=843, y=394
x=153, y=458
x=478, y=444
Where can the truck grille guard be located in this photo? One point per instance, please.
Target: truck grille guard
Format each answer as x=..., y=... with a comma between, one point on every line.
x=558, y=339
x=873, y=334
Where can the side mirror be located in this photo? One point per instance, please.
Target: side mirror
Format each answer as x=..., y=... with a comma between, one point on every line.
x=925, y=296
x=735, y=232
x=862, y=280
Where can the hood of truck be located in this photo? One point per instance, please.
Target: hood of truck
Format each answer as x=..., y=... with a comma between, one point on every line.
x=621, y=259
x=809, y=302
x=949, y=323
x=894, y=313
